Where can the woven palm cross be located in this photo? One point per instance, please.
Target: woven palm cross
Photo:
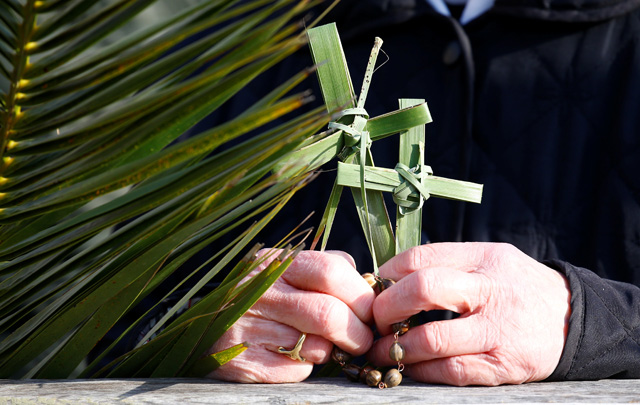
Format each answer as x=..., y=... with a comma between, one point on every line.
x=411, y=181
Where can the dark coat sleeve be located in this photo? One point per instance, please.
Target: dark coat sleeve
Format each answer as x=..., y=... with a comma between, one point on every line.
x=604, y=328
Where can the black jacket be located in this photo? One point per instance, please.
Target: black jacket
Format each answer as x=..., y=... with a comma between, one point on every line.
x=540, y=102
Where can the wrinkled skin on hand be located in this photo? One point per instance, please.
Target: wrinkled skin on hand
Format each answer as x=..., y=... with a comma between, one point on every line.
x=321, y=293
x=514, y=313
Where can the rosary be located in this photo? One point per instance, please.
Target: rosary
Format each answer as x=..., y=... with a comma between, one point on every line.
x=367, y=374
x=351, y=135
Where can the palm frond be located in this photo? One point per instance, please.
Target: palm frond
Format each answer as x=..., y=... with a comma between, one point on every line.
x=80, y=119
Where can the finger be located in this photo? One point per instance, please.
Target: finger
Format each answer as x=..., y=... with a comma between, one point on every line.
x=270, y=335
x=426, y=290
x=344, y=255
x=334, y=274
x=439, y=339
x=258, y=362
x=314, y=349
x=473, y=369
x=318, y=314
x=261, y=369
x=460, y=256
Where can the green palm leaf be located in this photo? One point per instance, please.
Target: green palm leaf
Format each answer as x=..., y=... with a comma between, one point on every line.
x=84, y=115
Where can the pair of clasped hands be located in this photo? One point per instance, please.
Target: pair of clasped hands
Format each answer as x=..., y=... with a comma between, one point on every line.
x=512, y=326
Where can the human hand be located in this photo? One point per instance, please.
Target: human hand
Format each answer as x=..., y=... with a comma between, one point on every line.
x=321, y=294
x=514, y=314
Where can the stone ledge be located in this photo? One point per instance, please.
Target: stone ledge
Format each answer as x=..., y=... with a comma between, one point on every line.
x=313, y=391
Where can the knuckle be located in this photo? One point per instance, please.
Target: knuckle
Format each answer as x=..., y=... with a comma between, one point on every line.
x=321, y=273
x=414, y=257
x=331, y=317
x=323, y=260
x=342, y=258
x=419, y=256
x=314, y=265
x=489, y=336
x=485, y=287
x=456, y=372
x=503, y=249
x=426, y=283
x=492, y=255
x=435, y=341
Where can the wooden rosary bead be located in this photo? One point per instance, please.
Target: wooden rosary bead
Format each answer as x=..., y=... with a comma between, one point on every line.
x=363, y=373
x=370, y=278
x=383, y=284
x=340, y=356
x=373, y=378
x=401, y=327
x=386, y=283
x=352, y=372
x=392, y=378
x=396, y=351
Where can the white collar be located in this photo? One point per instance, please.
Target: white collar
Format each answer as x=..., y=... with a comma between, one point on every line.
x=472, y=10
